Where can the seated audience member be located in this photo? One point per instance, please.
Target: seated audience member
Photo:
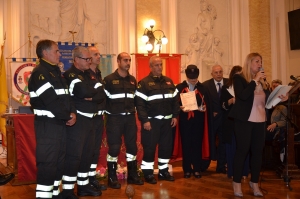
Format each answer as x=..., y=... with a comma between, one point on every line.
x=227, y=101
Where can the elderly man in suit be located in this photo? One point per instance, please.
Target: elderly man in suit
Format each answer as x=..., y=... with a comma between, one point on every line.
x=213, y=86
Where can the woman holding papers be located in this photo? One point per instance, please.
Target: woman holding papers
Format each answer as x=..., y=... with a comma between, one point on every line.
x=251, y=92
x=227, y=101
x=193, y=122
x=249, y=116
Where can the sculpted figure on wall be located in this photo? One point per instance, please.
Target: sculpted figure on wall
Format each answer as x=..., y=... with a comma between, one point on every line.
x=62, y=16
x=203, y=49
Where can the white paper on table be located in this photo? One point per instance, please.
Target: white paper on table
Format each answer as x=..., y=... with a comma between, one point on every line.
x=189, y=101
x=274, y=99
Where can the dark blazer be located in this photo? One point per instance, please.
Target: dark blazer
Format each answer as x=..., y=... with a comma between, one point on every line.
x=244, y=96
x=228, y=123
x=213, y=95
x=215, y=106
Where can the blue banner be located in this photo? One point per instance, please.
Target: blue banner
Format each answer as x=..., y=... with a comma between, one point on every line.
x=105, y=65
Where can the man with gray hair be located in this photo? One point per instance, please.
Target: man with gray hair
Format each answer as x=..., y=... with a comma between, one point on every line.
x=54, y=111
x=81, y=137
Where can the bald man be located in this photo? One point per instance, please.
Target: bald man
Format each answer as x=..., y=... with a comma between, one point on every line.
x=213, y=86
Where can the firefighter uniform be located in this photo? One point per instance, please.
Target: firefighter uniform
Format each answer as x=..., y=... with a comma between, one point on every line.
x=157, y=103
x=52, y=106
x=120, y=109
x=81, y=136
x=99, y=125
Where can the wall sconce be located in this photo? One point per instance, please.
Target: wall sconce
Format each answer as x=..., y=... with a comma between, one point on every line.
x=149, y=38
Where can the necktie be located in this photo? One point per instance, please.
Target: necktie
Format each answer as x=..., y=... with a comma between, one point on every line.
x=219, y=89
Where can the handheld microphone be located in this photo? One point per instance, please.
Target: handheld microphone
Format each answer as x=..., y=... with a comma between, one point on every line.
x=262, y=70
x=294, y=78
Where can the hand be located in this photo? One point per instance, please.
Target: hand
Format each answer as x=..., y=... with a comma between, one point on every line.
x=147, y=126
x=271, y=127
x=259, y=75
x=203, y=108
x=231, y=101
x=88, y=99
x=72, y=121
x=215, y=114
x=173, y=122
x=284, y=97
x=184, y=110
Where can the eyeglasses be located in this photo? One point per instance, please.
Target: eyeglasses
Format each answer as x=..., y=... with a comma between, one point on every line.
x=86, y=59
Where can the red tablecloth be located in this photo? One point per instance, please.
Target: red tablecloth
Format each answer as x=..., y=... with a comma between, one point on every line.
x=26, y=145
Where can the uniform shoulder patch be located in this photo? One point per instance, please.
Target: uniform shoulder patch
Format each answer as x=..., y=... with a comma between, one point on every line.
x=41, y=77
x=151, y=83
x=115, y=82
x=139, y=86
x=80, y=77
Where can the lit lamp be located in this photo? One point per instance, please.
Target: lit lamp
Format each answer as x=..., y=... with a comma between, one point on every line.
x=149, y=38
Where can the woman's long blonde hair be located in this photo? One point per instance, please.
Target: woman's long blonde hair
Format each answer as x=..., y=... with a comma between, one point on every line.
x=247, y=66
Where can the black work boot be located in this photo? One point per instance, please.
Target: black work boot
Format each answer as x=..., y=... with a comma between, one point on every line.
x=133, y=177
x=112, y=176
x=96, y=184
x=165, y=175
x=88, y=190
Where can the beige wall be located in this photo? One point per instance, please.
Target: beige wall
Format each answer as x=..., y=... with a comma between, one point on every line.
x=260, y=37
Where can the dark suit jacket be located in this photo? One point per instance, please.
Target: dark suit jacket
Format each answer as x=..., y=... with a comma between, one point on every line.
x=215, y=106
x=244, y=96
x=227, y=122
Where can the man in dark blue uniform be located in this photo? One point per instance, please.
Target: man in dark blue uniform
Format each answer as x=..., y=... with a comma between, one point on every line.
x=120, y=89
x=86, y=95
x=158, y=107
x=54, y=111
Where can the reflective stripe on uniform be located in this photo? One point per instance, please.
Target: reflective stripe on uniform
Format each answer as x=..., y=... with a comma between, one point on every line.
x=39, y=194
x=158, y=96
x=68, y=186
x=119, y=95
x=57, y=182
x=93, y=166
x=85, y=182
x=57, y=91
x=101, y=112
x=82, y=175
x=43, y=113
x=69, y=178
x=160, y=167
x=61, y=91
x=119, y=113
x=56, y=192
x=98, y=84
x=111, y=159
x=90, y=115
x=44, y=187
x=162, y=117
x=92, y=173
x=71, y=88
x=130, y=157
x=163, y=160
x=147, y=165
x=43, y=88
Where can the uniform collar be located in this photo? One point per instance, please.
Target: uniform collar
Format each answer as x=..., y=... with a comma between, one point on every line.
x=48, y=65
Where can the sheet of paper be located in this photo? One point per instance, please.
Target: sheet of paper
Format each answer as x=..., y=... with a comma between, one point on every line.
x=274, y=99
x=189, y=101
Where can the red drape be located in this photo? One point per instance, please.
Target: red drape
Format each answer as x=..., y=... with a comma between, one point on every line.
x=25, y=146
x=171, y=61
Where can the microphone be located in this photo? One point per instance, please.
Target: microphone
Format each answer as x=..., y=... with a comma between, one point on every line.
x=262, y=70
x=294, y=78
